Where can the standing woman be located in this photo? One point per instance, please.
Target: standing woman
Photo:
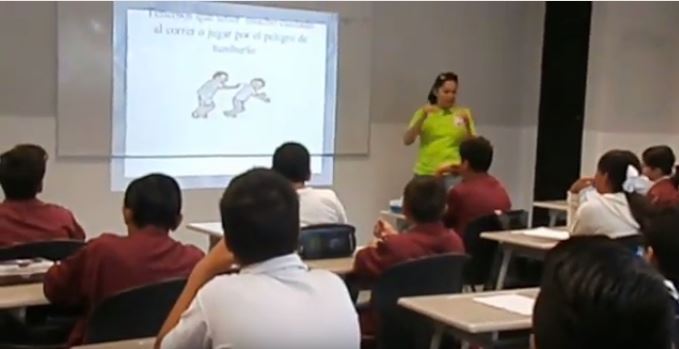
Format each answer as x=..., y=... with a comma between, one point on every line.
x=441, y=126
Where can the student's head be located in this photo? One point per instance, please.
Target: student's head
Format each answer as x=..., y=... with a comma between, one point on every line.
x=292, y=160
x=443, y=91
x=154, y=200
x=260, y=216
x=22, y=170
x=257, y=83
x=596, y=294
x=424, y=199
x=661, y=239
x=476, y=154
x=612, y=170
x=220, y=76
x=658, y=162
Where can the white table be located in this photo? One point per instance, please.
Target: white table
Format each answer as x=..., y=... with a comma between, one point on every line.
x=21, y=296
x=146, y=343
x=468, y=319
x=212, y=229
x=556, y=208
x=514, y=242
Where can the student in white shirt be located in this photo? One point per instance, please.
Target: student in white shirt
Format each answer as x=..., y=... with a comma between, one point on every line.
x=275, y=301
x=317, y=206
x=611, y=203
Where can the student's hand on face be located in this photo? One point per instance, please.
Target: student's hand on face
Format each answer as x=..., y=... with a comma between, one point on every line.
x=218, y=261
x=581, y=184
x=383, y=229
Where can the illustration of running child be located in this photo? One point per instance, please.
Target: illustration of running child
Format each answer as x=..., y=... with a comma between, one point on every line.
x=247, y=91
x=206, y=93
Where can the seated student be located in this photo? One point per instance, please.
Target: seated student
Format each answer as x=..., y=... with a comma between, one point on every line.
x=609, y=204
x=275, y=301
x=661, y=241
x=111, y=263
x=424, y=202
x=596, y=294
x=316, y=206
x=479, y=194
x=23, y=217
x=658, y=164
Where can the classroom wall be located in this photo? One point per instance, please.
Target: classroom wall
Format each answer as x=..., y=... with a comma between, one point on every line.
x=633, y=79
x=495, y=48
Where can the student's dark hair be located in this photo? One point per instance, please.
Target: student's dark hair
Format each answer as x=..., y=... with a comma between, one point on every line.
x=662, y=234
x=219, y=73
x=292, y=160
x=425, y=199
x=661, y=157
x=596, y=294
x=260, y=216
x=155, y=200
x=22, y=170
x=615, y=163
x=478, y=151
x=440, y=80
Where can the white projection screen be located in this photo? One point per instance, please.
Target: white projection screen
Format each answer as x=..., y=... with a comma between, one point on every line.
x=203, y=91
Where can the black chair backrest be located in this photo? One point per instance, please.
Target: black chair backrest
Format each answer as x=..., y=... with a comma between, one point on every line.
x=439, y=274
x=482, y=251
x=54, y=250
x=135, y=313
x=327, y=241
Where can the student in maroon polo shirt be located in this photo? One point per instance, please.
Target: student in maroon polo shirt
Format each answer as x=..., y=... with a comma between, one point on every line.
x=424, y=202
x=112, y=263
x=479, y=194
x=658, y=164
x=23, y=217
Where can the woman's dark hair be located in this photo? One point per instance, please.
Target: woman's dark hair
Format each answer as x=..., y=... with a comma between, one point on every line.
x=614, y=164
x=661, y=157
x=440, y=80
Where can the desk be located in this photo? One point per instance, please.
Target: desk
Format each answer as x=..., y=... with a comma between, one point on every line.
x=556, y=208
x=469, y=320
x=20, y=296
x=212, y=229
x=339, y=266
x=514, y=242
x=146, y=343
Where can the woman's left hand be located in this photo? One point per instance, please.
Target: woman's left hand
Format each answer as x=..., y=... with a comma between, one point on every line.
x=445, y=170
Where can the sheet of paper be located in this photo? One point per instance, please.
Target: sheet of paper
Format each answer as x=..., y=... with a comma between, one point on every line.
x=514, y=303
x=24, y=267
x=547, y=233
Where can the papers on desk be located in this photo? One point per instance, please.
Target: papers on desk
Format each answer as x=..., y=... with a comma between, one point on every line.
x=514, y=303
x=24, y=267
x=546, y=233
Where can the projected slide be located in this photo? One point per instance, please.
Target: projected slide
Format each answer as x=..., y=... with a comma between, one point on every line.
x=205, y=90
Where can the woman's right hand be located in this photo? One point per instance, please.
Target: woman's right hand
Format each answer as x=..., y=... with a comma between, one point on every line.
x=428, y=109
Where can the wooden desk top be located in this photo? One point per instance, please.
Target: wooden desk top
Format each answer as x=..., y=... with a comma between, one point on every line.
x=460, y=311
x=146, y=343
x=515, y=237
x=19, y=296
x=208, y=228
x=557, y=205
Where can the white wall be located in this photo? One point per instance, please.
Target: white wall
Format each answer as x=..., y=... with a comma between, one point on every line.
x=633, y=79
x=494, y=47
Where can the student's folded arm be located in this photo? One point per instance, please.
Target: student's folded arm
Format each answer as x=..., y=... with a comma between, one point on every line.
x=573, y=200
x=372, y=261
x=77, y=233
x=63, y=282
x=218, y=261
x=191, y=331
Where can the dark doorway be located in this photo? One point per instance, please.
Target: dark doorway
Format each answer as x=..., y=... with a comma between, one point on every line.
x=562, y=100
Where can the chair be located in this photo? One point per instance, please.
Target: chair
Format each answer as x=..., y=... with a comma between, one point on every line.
x=483, y=252
x=633, y=243
x=54, y=250
x=135, y=313
x=396, y=326
x=327, y=241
